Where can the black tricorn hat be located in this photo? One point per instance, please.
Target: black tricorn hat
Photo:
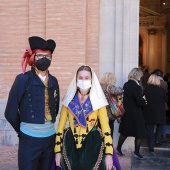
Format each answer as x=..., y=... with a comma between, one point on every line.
x=39, y=43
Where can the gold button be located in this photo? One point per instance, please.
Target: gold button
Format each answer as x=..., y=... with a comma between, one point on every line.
x=92, y=123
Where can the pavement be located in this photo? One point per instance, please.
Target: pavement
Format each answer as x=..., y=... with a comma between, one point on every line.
x=9, y=158
x=161, y=160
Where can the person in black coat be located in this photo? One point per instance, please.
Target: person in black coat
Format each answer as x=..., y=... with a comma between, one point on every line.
x=33, y=105
x=132, y=122
x=154, y=111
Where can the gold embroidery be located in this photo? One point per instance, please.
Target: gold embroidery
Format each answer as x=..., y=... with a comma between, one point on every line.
x=47, y=115
x=100, y=154
x=65, y=153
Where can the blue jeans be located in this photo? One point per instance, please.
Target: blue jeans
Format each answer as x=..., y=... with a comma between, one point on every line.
x=35, y=153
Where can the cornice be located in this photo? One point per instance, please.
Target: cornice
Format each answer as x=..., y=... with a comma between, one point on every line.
x=148, y=17
x=145, y=12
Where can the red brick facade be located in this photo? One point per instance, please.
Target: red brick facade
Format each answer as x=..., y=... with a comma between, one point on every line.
x=74, y=25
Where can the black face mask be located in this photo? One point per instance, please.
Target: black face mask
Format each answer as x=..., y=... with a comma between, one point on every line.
x=42, y=64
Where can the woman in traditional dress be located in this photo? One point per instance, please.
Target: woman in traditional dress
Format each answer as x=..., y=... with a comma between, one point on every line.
x=84, y=146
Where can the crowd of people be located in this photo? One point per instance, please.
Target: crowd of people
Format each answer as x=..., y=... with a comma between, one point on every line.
x=87, y=143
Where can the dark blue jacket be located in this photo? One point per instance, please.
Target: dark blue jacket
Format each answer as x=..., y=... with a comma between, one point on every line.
x=26, y=101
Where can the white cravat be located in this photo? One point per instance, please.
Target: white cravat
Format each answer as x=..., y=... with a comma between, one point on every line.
x=42, y=77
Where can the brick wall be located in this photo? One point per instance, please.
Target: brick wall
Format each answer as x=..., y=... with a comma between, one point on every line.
x=92, y=42
x=13, y=38
x=74, y=25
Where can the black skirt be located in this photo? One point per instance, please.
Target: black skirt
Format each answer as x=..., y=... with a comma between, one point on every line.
x=89, y=157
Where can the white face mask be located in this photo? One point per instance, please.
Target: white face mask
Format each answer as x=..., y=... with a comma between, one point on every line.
x=84, y=85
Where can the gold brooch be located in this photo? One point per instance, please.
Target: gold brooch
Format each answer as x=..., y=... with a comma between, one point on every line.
x=55, y=93
x=92, y=124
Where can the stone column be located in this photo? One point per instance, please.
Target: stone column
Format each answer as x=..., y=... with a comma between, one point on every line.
x=167, y=11
x=119, y=37
x=151, y=52
x=164, y=59
x=118, y=44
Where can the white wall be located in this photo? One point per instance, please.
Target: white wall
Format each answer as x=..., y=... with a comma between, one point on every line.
x=119, y=37
x=118, y=43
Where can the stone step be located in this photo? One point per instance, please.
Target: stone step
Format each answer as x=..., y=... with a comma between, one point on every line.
x=161, y=160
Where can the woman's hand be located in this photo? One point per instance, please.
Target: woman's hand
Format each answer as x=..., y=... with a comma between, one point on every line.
x=145, y=99
x=119, y=120
x=58, y=159
x=108, y=162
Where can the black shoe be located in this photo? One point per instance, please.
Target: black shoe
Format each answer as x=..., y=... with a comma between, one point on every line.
x=119, y=153
x=151, y=152
x=158, y=144
x=138, y=156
